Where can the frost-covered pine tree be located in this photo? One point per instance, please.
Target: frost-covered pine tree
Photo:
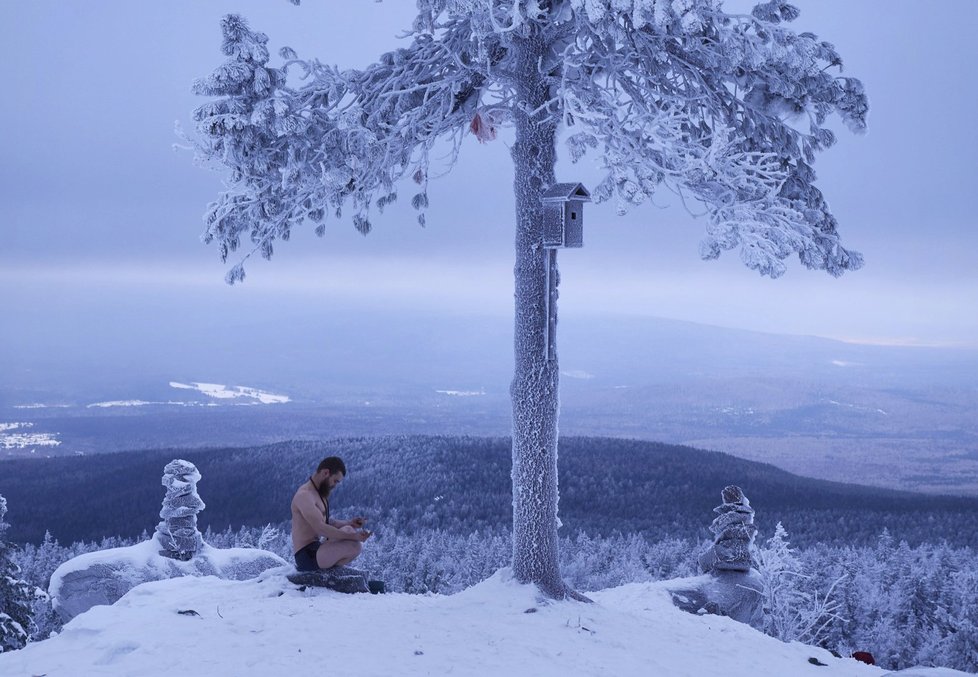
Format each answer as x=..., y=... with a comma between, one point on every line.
x=177, y=532
x=728, y=110
x=792, y=610
x=963, y=643
x=37, y=563
x=17, y=596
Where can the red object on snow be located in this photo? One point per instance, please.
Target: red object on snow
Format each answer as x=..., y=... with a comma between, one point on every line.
x=864, y=657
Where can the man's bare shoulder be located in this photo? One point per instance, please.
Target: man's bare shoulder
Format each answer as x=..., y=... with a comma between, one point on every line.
x=305, y=492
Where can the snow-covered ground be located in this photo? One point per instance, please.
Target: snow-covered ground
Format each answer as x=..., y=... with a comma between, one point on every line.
x=16, y=436
x=462, y=393
x=134, y=403
x=269, y=627
x=223, y=392
x=215, y=391
x=39, y=405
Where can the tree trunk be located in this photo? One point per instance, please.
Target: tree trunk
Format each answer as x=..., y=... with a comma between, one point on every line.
x=534, y=390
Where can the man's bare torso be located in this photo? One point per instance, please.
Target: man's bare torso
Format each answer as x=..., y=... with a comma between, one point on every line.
x=309, y=515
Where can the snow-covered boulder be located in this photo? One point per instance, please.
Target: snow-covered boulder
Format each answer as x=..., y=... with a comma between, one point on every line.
x=103, y=577
x=176, y=549
x=734, y=594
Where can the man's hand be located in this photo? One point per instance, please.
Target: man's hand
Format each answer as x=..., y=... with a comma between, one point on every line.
x=357, y=522
x=364, y=535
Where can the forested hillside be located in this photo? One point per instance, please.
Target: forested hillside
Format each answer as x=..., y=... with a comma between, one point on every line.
x=462, y=484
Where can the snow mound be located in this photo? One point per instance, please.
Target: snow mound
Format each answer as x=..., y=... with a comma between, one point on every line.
x=267, y=626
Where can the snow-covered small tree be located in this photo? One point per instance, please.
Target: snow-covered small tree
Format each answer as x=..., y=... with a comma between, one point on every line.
x=177, y=532
x=963, y=643
x=268, y=536
x=37, y=564
x=17, y=596
x=728, y=110
x=792, y=612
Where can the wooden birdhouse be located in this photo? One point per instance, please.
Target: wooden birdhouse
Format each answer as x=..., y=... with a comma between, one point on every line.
x=563, y=215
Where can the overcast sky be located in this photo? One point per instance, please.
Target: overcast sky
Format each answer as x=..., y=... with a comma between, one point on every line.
x=96, y=203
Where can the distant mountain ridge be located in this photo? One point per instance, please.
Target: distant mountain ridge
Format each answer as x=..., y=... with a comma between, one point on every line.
x=321, y=356
x=462, y=484
x=899, y=417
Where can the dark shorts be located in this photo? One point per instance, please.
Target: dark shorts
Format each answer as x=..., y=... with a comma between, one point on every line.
x=305, y=559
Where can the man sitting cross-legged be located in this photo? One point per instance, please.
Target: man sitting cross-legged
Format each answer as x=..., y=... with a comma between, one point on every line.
x=342, y=540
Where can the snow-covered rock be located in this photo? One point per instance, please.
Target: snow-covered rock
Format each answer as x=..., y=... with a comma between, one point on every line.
x=730, y=585
x=103, y=577
x=734, y=594
x=177, y=531
x=734, y=532
x=175, y=550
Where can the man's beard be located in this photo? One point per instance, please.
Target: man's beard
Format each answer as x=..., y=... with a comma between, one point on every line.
x=325, y=489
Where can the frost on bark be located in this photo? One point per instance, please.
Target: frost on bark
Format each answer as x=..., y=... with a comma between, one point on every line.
x=534, y=389
x=727, y=110
x=177, y=532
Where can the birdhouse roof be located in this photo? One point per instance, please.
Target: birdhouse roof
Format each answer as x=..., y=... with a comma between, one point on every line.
x=561, y=192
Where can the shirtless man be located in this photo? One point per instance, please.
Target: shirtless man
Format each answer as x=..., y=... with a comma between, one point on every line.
x=311, y=522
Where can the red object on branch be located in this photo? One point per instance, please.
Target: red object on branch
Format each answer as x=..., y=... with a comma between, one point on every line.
x=864, y=657
x=483, y=128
